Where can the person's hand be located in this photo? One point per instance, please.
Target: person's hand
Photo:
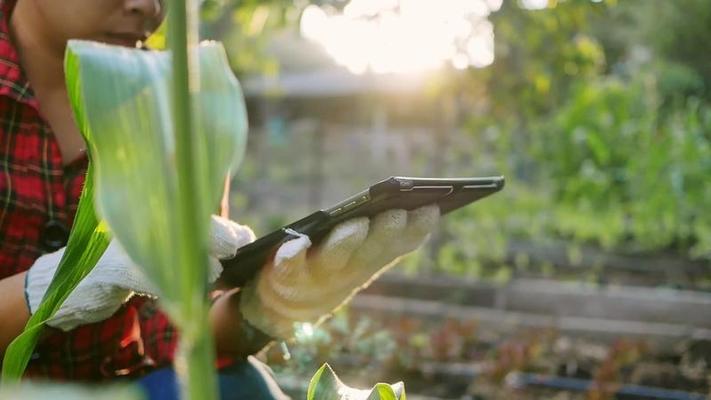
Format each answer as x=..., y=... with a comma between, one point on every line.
x=115, y=278
x=303, y=284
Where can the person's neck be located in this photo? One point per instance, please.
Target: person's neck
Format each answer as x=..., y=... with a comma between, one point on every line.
x=41, y=59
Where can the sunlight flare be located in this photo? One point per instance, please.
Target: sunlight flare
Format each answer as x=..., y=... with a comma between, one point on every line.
x=404, y=36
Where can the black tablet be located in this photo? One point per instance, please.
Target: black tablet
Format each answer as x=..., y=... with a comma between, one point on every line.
x=395, y=192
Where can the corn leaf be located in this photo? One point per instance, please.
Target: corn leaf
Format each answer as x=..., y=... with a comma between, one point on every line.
x=160, y=172
x=87, y=241
x=325, y=385
x=163, y=130
x=122, y=98
x=383, y=391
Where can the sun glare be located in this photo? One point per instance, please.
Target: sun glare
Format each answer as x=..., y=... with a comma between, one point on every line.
x=404, y=36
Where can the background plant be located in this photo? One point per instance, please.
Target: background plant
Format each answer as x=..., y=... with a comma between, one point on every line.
x=599, y=122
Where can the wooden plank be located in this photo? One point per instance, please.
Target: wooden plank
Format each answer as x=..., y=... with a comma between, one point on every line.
x=558, y=299
x=604, y=329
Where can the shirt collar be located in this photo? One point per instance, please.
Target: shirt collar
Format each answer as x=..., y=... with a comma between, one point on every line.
x=13, y=82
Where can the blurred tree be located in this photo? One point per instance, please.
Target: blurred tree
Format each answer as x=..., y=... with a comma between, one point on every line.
x=540, y=53
x=245, y=26
x=597, y=111
x=677, y=32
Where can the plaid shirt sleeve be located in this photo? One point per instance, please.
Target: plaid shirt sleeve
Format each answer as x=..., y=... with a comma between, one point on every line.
x=38, y=199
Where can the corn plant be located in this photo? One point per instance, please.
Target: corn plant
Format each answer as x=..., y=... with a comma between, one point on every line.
x=163, y=130
x=325, y=385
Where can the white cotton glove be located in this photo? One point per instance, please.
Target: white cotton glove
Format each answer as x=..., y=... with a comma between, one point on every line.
x=303, y=286
x=115, y=278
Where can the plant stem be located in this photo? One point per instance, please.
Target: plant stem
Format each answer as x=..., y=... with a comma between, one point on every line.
x=196, y=365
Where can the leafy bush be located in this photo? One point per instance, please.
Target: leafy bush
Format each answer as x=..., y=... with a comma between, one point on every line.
x=613, y=167
x=611, y=151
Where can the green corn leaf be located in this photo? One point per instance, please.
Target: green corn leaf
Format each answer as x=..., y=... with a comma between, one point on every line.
x=157, y=181
x=325, y=385
x=122, y=98
x=163, y=130
x=383, y=391
x=87, y=241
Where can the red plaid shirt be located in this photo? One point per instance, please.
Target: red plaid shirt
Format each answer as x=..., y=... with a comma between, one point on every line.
x=38, y=200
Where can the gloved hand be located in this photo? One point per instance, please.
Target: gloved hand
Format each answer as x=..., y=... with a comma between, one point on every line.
x=115, y=278
x=303, y=284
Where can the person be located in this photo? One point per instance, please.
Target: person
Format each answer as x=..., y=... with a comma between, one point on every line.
x=104, y=331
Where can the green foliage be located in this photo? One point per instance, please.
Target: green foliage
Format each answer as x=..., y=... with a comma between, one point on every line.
x=611, y=150
x=325, y=385
x=540, y=54
x=682, y=23
x=156, y=198
x=128, y=125
x=602, y=143
x=474, y=237
x=159, y=172
x=245, y=28
x=597, y=113
x=612, y=167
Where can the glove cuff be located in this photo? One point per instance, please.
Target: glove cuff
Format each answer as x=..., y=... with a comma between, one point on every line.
x=102, y=305
x=38, y=278
x=226, y=236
